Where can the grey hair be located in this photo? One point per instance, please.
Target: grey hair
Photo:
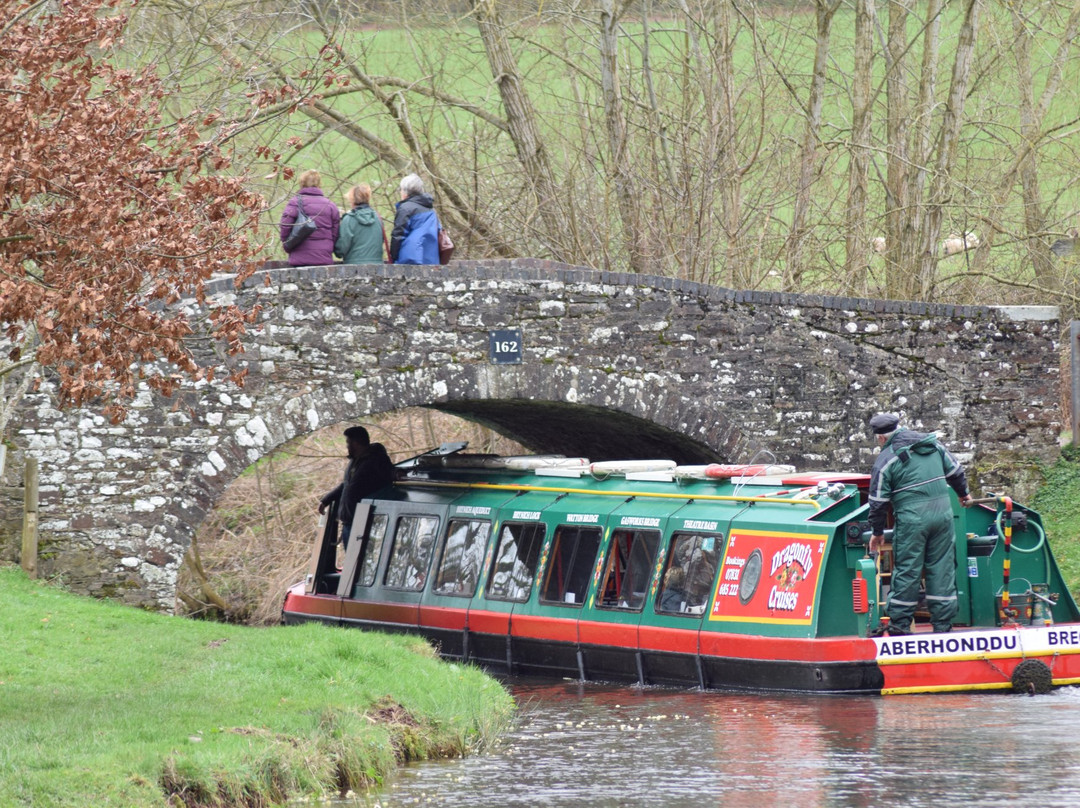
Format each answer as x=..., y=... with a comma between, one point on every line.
x=412, y=184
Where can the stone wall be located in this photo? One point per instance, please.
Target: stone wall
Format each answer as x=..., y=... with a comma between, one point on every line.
x=613, y=366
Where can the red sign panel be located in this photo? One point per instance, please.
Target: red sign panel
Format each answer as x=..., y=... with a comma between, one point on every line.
x=768, y=577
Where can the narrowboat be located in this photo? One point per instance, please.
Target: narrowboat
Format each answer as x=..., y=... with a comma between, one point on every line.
x=743, y=577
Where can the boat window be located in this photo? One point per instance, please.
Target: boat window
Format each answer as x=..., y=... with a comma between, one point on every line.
x=573, y=554
x=411, y=552
x=628, y=569
x=689, y=574
x=462, y=557
x=373, y=549
x=515, y=561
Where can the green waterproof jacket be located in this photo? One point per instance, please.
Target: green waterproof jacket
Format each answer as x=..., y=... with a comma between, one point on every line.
x=360, y=240
x=913, y=473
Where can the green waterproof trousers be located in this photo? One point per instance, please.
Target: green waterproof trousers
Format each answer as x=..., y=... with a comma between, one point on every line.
x=926, y=540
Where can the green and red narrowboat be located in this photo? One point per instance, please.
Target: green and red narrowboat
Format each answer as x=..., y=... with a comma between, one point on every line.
x=729, y=577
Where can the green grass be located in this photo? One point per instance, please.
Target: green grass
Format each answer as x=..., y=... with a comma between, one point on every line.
x=1058, y=502
x=105, y=705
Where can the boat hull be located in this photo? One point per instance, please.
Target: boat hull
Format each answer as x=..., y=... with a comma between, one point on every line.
x=984, y=659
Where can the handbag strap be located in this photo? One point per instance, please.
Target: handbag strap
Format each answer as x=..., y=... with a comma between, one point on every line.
x=300, y=206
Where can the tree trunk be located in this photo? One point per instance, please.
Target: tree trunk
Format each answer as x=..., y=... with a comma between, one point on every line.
x=856, y=236
x=1038, y=251
x=522, y=126
x=946, y=150
x=825, y=10
x=900, y=242
x=626, y=195
x=725, y=118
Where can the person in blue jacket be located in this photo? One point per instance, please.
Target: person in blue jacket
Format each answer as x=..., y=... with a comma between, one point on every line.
x=415, y=237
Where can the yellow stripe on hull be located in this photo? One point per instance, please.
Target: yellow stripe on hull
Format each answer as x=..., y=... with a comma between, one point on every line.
x=901, y=691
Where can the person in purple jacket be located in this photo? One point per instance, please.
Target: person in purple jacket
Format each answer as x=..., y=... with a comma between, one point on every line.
x=318, y=248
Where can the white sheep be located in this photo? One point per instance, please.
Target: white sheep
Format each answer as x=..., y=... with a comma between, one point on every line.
x=957, y=244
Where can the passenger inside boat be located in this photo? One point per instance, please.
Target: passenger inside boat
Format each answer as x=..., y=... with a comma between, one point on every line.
x=673, y=597
x=691, y=570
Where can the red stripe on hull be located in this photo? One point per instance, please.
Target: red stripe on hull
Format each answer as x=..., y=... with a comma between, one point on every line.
x=313, y=605
x=970, y=674
x=442, y=617
x=844, y=649
x=544, y=628
x=674, y=640
x=482, y=622
x=399, y=614
x=617, y=635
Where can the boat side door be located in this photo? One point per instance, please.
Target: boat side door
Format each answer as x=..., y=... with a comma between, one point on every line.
x=622, y=576
x=508, y=577
x=681, y=589
x=544, y=629
x=459, y=567
x=393, y=564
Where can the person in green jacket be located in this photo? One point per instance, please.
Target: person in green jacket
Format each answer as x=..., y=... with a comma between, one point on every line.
x=913, y=474
x=361, y=238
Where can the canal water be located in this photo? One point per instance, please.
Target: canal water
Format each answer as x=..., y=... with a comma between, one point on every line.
x=608, y=747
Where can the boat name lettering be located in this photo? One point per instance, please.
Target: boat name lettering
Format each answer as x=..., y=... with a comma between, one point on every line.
x=475, y=510
x=802, y=554
x=784, y=600
x=699, y=524
x=526, y=514
x=952, y=645
x=640, y=521
x=1063, y=636
x=582, y=517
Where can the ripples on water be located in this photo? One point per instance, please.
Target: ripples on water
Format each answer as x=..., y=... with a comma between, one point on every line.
x=598, y=746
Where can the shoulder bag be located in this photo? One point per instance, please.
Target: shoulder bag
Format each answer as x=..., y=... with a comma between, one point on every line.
x=446, y=247
x=303, y=227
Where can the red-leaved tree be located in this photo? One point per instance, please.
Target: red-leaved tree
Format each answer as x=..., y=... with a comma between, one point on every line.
x=110, y=212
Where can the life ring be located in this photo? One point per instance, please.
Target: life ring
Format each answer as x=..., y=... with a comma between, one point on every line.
x=723, y=471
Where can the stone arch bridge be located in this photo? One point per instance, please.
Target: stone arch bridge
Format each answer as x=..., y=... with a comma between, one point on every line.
x=611, y=366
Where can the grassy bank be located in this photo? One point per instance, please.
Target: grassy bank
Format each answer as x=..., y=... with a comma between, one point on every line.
x=104, y=705
x=1058, y=502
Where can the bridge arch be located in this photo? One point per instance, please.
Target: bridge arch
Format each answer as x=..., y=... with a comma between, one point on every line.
x=613, y=366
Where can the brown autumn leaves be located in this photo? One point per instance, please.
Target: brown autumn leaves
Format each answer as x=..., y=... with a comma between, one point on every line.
x=109, y=209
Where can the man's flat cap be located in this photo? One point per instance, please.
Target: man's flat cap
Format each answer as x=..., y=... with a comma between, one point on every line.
x=883, y=423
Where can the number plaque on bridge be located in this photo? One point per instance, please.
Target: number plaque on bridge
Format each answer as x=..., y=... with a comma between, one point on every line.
x=504, y=346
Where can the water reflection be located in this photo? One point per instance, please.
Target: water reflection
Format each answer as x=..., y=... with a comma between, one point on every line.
x=584, y=744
